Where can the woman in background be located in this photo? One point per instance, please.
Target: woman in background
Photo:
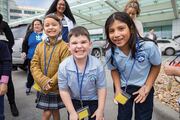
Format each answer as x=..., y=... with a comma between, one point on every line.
x=32, y=38
x=62, y=10
x=133, y=9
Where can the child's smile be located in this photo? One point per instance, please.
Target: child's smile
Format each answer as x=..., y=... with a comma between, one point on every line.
x=79, y=46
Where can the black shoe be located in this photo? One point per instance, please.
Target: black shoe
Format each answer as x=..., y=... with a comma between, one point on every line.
x=28, y=91
x=14, y=110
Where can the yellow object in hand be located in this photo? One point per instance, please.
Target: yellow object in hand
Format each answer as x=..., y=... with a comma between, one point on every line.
x=83, y=114
x=122, y=99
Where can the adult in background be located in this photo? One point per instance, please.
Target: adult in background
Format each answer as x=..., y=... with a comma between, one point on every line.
x=5, y=71
x=62, y=10
x=31, y=40
x=7, y=36
x=133, y=9
x=151, y=35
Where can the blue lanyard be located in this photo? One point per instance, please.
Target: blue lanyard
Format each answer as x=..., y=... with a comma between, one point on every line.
x=128, y=75
x=46, y=67
x=80, y=82
x=124, y=70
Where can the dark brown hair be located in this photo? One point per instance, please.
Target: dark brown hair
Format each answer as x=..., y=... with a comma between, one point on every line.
x=32, y=24
x=77, y=31
x=67, y=11
x=125, y=18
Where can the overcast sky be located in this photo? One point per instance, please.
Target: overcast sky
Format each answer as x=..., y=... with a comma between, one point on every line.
x=35, y=3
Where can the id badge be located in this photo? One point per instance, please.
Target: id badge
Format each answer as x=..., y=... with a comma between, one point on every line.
x=83, y=112
x=122, y=98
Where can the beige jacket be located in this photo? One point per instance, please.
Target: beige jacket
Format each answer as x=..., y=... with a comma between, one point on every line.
x=37, y=64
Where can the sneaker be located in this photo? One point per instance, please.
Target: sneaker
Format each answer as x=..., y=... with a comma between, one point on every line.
x=14, y=110
x=28, y=91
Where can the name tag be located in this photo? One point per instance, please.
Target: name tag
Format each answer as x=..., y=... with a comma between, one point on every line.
x=122, y=98
x=83, y=112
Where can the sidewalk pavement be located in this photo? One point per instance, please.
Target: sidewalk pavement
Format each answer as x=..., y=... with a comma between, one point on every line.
x=28, y=111
x=163, y=112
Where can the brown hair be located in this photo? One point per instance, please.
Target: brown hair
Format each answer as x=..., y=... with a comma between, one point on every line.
x=77, y=31
x=133, y=4
x=53, y=16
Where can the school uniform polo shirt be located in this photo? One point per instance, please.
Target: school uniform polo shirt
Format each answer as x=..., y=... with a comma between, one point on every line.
x=94, y=78
x=147, y=56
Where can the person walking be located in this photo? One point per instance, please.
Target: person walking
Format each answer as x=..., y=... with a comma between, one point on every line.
x=7, y=36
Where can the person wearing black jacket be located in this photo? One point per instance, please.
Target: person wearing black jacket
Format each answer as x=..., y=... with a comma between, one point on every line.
x=7, y=37
x=5, y=70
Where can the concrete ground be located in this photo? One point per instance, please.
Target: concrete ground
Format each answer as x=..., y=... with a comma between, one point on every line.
x=28, y=111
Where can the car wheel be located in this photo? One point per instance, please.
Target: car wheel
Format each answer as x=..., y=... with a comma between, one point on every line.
x=169, y=51
x=96, y=53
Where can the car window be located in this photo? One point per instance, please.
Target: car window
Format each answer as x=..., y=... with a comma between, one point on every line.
x=163, y=41
x=19, y=31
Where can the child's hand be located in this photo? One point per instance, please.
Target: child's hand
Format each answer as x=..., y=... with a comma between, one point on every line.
x=73, y=116
x=3, y=88
x=47, y=86
x=116, y=93
x=98, y=114
x=142, y=94
x=168, y=69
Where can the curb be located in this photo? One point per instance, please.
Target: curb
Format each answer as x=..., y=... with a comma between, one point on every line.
x=163, y=112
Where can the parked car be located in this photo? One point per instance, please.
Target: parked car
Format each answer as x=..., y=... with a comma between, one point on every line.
x=168, y=46
x=19, y=33
x=177, y=39
x=98, y=48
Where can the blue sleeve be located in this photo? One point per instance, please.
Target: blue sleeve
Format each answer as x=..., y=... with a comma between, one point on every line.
x=154, y=55
x=62, y=77
x=101, y=78
x=108, y=60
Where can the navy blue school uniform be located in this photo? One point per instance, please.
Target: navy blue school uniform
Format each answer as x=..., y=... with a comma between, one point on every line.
x=136, y=71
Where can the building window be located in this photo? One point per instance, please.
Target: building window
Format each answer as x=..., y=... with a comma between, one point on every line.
x=161, y=31
x=14, y=17
x=29, y=12
x=15, y=11
x=38, y=12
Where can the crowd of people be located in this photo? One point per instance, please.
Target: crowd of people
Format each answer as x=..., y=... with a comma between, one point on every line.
x=64, y=74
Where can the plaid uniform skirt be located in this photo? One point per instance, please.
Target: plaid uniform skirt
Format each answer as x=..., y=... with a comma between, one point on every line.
x=50, y=101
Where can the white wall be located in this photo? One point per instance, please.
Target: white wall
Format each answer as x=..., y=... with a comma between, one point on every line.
x=175, y=27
